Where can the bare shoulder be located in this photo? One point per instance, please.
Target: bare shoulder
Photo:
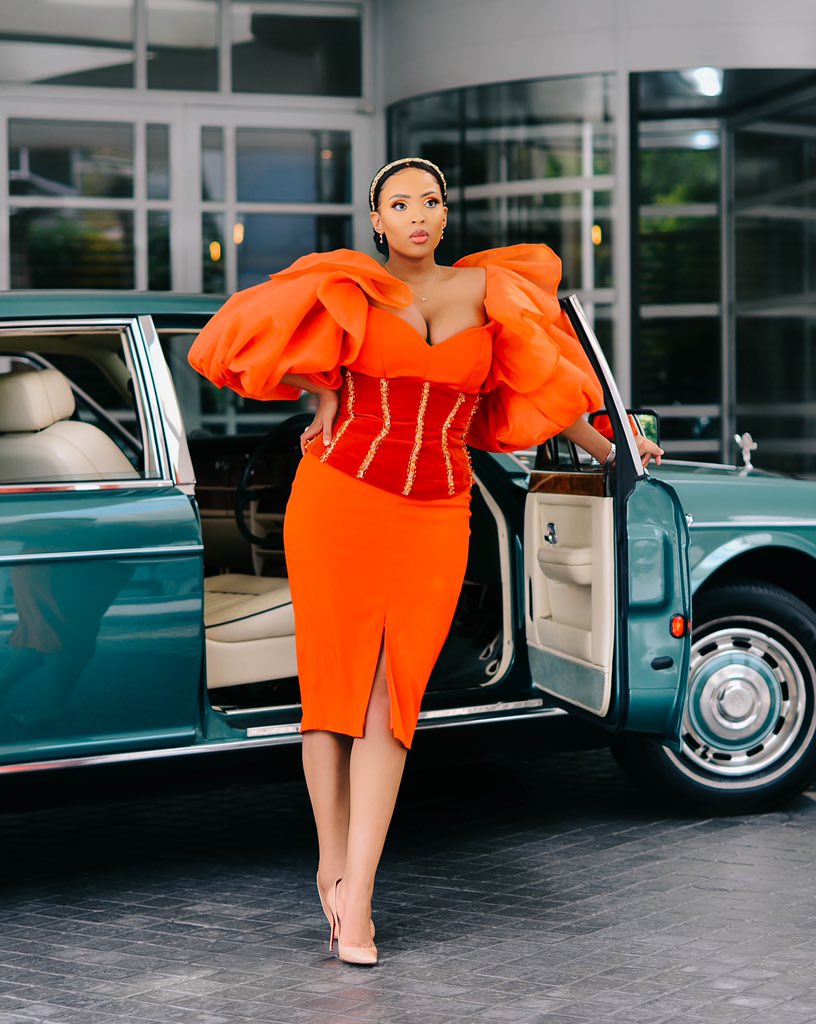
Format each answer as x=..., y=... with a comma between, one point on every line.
x=467, y=281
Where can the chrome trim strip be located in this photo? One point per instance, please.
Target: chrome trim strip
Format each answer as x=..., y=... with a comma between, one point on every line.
x=65, y=325
x=84, y=485
x=73, y=556
x=518, y=716
x=746, y=523
x=156, y=454
x=167, y=410
x=252, y=711
x=210, y=748
x=481, y=709
x=273, y=730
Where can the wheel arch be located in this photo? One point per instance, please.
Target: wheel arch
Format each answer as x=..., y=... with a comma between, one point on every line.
x=780, y=562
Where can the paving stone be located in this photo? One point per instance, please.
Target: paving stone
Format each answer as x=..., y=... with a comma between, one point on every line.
x=517, y=886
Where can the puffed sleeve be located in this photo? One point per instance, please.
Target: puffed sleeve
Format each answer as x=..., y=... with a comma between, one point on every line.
x=540, y=379
x=309, y=319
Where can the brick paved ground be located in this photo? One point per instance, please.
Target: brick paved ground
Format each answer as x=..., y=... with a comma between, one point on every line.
x=515, y=889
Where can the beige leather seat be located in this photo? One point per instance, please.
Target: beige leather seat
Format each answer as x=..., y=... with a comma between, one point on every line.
x=250, y=629
x=39, y=442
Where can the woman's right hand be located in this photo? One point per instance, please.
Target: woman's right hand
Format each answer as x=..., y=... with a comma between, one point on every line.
x=327, y=404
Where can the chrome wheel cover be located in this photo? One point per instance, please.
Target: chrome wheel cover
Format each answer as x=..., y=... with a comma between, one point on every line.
x=746, y=701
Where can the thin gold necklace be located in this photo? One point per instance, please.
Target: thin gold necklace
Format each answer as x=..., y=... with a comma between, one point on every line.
x=424, y=298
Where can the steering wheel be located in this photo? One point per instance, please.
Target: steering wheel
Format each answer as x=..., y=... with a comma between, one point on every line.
x=280, y=438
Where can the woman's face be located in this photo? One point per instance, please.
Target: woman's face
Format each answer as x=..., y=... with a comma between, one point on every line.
x=411, y=213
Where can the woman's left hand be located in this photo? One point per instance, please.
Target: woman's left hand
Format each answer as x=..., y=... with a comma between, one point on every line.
x=648, y=450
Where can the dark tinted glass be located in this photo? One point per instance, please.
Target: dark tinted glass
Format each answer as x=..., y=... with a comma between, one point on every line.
x=277, y=53
x=766, y=161
x=679, y=259
x=776, y=253
x=773, y=357
x=182, y=44
x=71, y=249
x=672, y=174
x=601, y=237
x=676, y=429
x=158, y=161
x=537, y=129
x=604, y=330
x=277, y=165
x=82, y=158
x=273, y=241
x=158, y=250
x=213, y=273
x=552, y=219
x=678, y=361
x=212, y=163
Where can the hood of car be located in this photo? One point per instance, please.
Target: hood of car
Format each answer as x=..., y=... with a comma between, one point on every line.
x=676, y=470
x=716, y=494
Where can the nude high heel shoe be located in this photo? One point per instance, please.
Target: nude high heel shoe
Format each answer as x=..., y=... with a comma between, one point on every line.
x=359, y=956
x=330, y=916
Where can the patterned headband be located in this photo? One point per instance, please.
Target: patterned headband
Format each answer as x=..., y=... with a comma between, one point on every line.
x=396, y=163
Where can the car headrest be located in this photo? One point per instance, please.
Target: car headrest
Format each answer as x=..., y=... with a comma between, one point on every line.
x=33, y=400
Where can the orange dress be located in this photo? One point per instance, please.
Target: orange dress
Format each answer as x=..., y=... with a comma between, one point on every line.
x=377, y=526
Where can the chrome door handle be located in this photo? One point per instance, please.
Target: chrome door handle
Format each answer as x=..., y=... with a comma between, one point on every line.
x=551, y=536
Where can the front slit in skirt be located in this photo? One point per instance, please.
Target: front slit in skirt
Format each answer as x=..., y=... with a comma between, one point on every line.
x=364, y=562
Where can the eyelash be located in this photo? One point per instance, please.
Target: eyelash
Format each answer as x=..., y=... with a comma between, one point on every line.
x=396, y=206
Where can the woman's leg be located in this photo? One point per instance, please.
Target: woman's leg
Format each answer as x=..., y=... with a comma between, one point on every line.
x=326, y=767
x=377, y=762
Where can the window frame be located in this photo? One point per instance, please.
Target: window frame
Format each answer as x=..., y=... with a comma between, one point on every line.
x=157, y=459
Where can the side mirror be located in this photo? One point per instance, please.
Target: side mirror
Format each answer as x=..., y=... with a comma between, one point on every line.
x=642, y=421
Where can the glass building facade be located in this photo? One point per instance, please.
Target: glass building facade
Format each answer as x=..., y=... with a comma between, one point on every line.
x=722, y=237
x=177, y=144
x=199, y=145
x=526, y=162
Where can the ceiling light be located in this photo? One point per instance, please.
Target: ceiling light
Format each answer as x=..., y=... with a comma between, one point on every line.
x=705, y=81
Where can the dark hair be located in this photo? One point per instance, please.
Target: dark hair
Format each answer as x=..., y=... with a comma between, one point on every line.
x=384, y=173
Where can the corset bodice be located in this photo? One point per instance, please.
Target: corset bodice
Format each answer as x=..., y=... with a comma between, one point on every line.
x=403, y=434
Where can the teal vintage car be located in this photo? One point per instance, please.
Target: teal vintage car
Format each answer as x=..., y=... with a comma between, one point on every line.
x=145, y=610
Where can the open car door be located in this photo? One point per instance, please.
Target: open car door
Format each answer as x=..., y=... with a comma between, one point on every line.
x=607, y=578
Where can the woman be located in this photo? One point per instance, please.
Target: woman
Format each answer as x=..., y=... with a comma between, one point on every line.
x=408, y=361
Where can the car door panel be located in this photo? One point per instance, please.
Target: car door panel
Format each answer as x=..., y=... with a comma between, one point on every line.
x=658, y=588
x=571, y=592
x=100, y=611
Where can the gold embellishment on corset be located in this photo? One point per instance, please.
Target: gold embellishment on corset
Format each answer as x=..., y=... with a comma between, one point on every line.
x=412, y=461
x=465, y=434
x=350, y=414
x=375, y=444
x=445, y=428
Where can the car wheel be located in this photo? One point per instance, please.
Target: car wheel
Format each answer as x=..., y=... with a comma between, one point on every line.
x=749, y=728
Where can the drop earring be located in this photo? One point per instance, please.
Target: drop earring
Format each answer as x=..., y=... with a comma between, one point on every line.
x=442, y=235
x=382, y=238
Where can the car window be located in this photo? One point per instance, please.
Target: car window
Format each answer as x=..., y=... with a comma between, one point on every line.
x=209, y=411
x=68, y=408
